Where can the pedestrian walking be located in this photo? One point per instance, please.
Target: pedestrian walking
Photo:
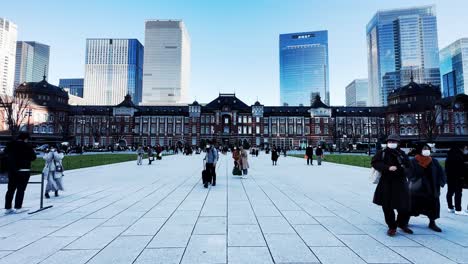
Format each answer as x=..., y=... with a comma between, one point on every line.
x=150, y=155
x=244, y=162
x=310, y=155
x=53, y=172
x=211, y=159
x=140, y=154
x=456, y=170
x=426, y=179
x=274, y=156
x=319, y=154
x=236, y=157
x=392, y=191
x=19, y=155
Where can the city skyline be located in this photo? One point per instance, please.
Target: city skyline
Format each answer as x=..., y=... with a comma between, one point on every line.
x=402, y=45
x=255, y=38
x=8, y=37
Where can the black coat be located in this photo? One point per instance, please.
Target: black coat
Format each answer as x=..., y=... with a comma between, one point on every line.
x=392, y=190
x=455, y=167
x=309, y=152
x=274, y=155
x=19, y=155
x=319, y=152
x=425, y=184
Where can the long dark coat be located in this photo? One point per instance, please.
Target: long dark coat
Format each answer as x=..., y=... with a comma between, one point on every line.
x=425, y=184
x=274, y=155
x=392, y=190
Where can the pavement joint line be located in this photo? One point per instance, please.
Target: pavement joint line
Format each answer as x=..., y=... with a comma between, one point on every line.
x=256, y=219
x=274, y=204
x=193, y=187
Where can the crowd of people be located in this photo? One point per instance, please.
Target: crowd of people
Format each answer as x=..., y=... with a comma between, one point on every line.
x=412, y=187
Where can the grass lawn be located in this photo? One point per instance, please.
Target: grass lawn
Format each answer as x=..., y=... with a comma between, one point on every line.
x=84, y=161
x=354, y=160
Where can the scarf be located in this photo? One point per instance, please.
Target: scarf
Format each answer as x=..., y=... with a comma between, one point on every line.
x=423, y=161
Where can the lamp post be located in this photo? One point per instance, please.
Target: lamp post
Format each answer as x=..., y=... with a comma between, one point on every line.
x=369, y=131
x=29, y=113
x=82, y=121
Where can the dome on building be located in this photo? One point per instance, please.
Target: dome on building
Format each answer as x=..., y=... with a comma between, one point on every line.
x=42, y=87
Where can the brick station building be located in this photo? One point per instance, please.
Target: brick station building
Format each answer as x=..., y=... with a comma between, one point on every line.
x=227, y=120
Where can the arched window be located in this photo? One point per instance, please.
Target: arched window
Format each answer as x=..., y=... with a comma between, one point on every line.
x=50, y=130
x=402, y=131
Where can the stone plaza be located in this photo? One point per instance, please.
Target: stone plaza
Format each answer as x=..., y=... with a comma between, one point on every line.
x=291, y=213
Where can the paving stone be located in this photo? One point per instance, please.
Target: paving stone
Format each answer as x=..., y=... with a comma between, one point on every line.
x=299, y=218
x=16, y=242
x=97, y=238
x=210, y=226
x=183, y=218
x=289, y=248
x=37, y=251
x=317, y=236
x=70, y=257
x=160, y=256
x=336, y=255
x=172, y=236
x=145, y=226
x=444, y=247
x=245, y=236
x=370, y=250
x=242, y=255
x=79, y=228
x=338, y=225
x=122, y=250
x=206, y=249
x=421, y=255
x=275, y=225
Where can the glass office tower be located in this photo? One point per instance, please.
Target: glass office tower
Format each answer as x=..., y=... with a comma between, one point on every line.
x=454, y=68
x=303, y=67
x=356, y=93
x=75, y=86
x=401, y=43
x=32, y=61
x=8, y=36
x=113, y=69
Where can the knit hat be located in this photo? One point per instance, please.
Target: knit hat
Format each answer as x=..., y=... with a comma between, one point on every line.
x=393, y=137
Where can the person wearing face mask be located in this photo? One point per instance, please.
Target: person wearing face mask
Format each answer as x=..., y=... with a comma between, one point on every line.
x=456, y=171
x=426, y=179
x=392, y=191
x=211, y=159
x=53, y=172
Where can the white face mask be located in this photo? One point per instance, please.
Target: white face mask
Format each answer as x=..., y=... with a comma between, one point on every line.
x=392, y=145
x=207, y=146
x=426, y=152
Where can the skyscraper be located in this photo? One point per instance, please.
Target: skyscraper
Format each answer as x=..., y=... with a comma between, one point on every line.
x=303, y=67
x=454, y=68
x=113, y=69
x=74, y=86
x=356, y=93
x=8, y=35
x=166, y=71
x=32, y=61
x=401, y=43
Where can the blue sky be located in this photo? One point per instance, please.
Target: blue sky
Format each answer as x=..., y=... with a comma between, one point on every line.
x=234, y=43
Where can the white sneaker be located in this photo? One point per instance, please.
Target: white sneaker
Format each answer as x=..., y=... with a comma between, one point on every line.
x=10, y=211
x=451, y=211
x=461, y=213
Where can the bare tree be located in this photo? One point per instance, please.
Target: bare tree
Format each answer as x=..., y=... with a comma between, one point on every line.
x=15, y=111
x=432, y=119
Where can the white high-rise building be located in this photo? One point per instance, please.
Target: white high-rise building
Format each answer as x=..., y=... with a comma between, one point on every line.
x=166, y=70
x=113, y=69
x=8, y=36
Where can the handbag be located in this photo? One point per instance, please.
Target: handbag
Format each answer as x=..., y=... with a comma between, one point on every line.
x=236, y=171
x=58, y=167
x=415, y=186
x=375, y=176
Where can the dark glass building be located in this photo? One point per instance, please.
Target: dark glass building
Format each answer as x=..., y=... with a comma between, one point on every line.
x=303, y=67
x=74, y=86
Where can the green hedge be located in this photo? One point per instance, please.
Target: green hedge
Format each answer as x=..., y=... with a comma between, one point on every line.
x=84, y=161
